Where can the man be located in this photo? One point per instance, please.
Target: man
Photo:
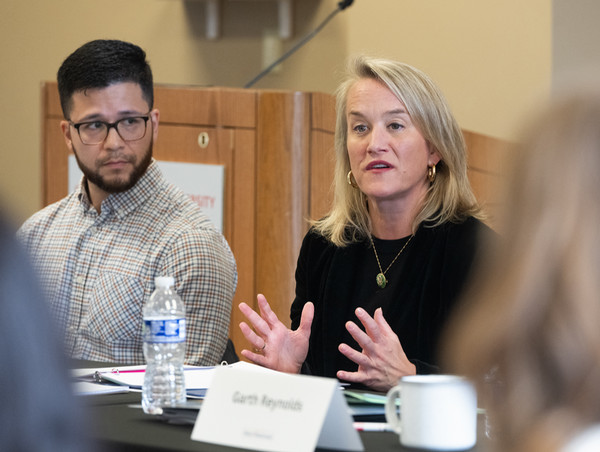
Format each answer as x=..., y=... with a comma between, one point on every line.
x=99, y=249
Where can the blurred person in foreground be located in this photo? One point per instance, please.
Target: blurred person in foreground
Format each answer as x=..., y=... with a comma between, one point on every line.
x=39, y=411
x=528, y=331
x=99, y=249
x=396, y=247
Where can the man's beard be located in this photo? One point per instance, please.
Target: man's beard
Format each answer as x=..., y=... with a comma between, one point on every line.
x=122, y=184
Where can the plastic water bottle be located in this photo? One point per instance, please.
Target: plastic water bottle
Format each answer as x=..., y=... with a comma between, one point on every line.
x=164, y=348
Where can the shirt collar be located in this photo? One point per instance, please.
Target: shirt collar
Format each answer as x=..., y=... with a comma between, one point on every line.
x=128, y=201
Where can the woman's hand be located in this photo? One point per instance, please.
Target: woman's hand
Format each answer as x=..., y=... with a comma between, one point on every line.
x=382, y=360
x=276, y=346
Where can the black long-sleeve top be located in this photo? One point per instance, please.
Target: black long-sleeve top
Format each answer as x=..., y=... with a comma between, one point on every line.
x=423, y=287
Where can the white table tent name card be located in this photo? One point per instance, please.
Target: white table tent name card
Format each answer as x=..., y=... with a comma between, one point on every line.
x=202, y=182
x=273, y=411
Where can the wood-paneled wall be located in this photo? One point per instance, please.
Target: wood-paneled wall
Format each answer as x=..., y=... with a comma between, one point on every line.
x=486, y=157
x=277, y=148
x=271, y=142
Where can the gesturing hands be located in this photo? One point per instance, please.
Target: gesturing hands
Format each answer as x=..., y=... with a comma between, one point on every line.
x=276, y=346
x=382, y=360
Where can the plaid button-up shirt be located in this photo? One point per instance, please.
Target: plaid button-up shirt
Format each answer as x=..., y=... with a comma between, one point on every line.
x=98, y=269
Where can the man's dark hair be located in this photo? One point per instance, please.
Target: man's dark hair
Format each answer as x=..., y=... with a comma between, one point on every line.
x=101, y=63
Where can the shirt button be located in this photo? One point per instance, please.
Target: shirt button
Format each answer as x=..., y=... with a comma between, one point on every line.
x=80, y=280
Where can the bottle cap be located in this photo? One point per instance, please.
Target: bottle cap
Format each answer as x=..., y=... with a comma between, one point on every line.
x=164, y=281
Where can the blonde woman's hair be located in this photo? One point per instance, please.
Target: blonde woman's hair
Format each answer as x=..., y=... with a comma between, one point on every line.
x=449, y=198
x=528, y=331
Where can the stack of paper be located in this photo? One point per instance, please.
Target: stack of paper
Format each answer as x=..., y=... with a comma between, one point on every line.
x=124, y=378
x=365, y=405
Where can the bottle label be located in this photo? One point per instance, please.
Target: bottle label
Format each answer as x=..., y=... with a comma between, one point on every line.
x=164, y=330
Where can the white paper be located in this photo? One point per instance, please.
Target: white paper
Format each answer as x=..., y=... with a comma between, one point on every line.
x=133, y=376
x=196, y=377
x=275, y=412
x=88, y=388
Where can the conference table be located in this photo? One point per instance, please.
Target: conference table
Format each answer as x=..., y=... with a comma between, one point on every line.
x=118, y=423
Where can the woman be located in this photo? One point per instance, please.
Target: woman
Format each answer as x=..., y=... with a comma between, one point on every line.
x=396, y=246
x=528, y=334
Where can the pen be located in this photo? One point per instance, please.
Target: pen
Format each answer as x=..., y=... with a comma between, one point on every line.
x=372, y=427
x=98, y=375
x=131, y=371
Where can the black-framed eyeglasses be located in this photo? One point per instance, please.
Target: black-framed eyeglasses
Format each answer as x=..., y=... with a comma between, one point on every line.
x=132, y=128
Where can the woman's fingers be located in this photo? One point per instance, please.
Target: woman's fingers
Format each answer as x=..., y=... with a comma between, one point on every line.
x=256, y=341
x=361, y=337
x=258, y=323
x=384, y=326
x=308, y=313
x=266, y=311
x=371, y=326
x=256, y=358
x=353, y=355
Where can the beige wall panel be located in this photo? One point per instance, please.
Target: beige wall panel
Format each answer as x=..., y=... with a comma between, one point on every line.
x=490, y=58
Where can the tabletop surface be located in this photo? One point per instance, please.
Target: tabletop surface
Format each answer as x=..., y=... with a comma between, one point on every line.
x=119, y=424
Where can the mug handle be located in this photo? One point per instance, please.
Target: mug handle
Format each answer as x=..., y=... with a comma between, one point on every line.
x=392, y=416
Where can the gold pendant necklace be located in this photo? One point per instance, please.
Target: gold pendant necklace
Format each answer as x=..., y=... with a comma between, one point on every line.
x=381, y=279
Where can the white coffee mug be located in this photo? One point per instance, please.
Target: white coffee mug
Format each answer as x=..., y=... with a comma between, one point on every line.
x=437, y=412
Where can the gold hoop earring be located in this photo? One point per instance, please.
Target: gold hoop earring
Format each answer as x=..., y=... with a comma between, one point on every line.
x=351, y=180
x=431, y=173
